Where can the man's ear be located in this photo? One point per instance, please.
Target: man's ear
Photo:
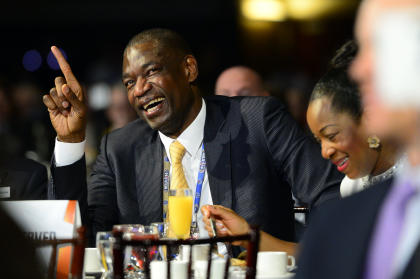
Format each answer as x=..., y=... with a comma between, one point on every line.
x=191, y=68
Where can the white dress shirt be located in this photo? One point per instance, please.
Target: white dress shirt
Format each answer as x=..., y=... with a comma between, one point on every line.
x=67, y=153
x=191, y=139
x=410, y=234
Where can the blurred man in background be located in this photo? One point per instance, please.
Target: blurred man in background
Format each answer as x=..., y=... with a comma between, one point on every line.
x=240, y=81
x=20, y=178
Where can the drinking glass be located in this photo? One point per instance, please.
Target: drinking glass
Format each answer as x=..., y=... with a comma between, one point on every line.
x=161, y=227
x=134, y=265
x=104, y=242
x=180, y=206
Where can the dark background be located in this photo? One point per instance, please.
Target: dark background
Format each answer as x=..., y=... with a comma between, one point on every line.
x=95, y=32
x=291, y=53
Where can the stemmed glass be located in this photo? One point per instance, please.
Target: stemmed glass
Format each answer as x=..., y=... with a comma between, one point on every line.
x=104, y=242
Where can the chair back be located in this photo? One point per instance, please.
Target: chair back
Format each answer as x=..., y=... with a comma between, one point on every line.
x=251, y=262
x=78, y=243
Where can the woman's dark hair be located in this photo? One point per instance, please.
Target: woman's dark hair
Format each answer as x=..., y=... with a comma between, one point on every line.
x=337, y=85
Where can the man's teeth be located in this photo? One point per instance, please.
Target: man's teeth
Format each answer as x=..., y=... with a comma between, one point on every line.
x=153, y=109
x=343, y=161
x=146, y=106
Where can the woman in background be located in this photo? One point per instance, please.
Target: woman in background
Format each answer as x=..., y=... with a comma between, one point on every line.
x=335, y=117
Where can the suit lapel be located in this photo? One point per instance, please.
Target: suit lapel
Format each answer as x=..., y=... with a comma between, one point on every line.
x=149, y=168
x=217, y=149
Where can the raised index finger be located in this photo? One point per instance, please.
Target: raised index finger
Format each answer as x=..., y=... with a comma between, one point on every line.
x=64, y=65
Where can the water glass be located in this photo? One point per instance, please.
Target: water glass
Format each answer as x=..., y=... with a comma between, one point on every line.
x=104, y=242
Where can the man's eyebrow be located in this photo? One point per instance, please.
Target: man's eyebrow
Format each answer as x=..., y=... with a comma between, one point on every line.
x=144, y=66
x=326, y=126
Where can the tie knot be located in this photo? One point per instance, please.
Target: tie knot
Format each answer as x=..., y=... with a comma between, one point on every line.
x=176, y=151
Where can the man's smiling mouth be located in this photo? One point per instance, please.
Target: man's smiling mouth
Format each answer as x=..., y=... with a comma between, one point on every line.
x=153, y=104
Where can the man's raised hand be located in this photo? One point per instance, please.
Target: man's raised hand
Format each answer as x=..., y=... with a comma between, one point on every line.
x=66, y=104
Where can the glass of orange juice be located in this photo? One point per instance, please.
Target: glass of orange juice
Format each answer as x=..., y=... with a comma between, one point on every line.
x=180, y=206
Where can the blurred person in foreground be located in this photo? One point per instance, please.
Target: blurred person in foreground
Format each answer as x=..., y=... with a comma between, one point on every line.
x=375, y=234
x=252, y=157
x=335, y=116
x=240, y=81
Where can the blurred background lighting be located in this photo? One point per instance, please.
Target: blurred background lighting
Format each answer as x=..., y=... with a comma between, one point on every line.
x=52, y=62
x=32, y=60
x=99, y=96
x=267, y=10
x=280, y=10
x=312, y=9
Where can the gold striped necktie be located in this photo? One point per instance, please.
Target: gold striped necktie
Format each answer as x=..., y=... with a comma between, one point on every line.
x=177, y=152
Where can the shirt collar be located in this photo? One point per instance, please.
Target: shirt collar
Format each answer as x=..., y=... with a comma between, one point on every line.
x=192, y=137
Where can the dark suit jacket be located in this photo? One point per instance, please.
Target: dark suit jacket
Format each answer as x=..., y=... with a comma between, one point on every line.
x=337, y=240
x=254, y=151
x=26, y=178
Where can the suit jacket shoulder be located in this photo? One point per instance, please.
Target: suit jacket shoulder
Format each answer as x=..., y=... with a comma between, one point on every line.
x=130, y=134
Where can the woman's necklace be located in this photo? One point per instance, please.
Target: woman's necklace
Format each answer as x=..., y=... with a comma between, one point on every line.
x=369, y=180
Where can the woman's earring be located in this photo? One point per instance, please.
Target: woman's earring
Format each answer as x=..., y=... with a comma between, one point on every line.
x=374, y=142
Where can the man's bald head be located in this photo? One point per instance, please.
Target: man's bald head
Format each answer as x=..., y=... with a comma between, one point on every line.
x=240, y=81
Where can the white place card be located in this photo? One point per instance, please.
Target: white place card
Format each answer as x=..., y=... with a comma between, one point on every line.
x=48, y=219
